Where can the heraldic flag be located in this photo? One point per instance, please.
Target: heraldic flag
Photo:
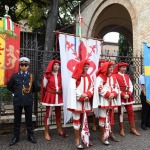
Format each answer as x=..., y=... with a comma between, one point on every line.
x=73, y=50
x=147, y=71
x=9, y=49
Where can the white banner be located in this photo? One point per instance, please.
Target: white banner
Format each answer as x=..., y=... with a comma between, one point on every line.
x=72, y=51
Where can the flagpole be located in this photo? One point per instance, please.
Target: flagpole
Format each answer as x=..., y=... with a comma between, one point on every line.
x=80, y=22
x=79, y=8
x=4, y=66
x=78, y=36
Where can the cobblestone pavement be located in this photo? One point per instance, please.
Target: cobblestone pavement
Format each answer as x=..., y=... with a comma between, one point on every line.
x=129, y=142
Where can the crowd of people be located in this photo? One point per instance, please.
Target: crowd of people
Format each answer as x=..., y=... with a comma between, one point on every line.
x=111, y=89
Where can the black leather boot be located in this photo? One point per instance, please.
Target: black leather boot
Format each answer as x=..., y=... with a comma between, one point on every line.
x=14, y=141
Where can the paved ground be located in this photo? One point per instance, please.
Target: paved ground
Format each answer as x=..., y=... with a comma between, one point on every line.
x=129, y=142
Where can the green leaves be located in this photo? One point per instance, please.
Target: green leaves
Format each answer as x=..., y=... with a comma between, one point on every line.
x=31, y=12
x=124, y=46
x=35, y=12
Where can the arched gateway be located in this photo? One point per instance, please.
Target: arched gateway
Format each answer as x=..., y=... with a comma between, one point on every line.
x=128, y=17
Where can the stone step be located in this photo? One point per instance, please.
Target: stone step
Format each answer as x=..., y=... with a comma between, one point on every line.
x=6, y=122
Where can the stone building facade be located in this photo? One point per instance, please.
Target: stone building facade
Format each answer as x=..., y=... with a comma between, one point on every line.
x=128, y=17
x=110, y=49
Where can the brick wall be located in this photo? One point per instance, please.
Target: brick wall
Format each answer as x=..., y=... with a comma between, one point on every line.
x=139, y=11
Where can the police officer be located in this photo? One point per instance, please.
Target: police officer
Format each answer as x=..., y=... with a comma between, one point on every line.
x=22, y=86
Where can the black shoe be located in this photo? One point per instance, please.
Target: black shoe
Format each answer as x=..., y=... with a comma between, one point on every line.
x=32, y=139
x=143, y=126
x=14, y=141
x=148, y=125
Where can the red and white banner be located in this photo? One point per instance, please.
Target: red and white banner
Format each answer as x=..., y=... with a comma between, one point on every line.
x=12, y=54
x=73, y=50
x=9, y=53
x=85, y=133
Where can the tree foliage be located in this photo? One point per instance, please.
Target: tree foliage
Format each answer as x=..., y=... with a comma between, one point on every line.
x=35, y=12
x=125, y=48
x=45, y=16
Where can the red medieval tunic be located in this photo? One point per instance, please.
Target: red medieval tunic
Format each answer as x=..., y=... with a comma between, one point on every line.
x=52, y=87
x=126, y=87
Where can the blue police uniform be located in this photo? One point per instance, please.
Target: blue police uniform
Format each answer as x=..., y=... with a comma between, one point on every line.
x=16, y=84
x=22, y=85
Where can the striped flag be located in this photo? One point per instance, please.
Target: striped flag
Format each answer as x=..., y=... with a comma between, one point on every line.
x=8, y=24
x=147, y=71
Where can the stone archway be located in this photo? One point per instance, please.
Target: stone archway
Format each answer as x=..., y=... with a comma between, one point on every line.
x=114, y=18
x=123, y=16
x=120, y=29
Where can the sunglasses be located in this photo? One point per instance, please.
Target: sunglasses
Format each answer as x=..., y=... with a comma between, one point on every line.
x=23, y=65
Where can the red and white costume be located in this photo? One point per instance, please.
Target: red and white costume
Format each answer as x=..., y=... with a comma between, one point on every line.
x=52, y=85
x=104, y=86
x=96, y=113
x=51, y=92
x=126, y=87
x=79, y=84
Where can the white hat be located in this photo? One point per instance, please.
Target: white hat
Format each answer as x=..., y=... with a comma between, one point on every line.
x=24, y=60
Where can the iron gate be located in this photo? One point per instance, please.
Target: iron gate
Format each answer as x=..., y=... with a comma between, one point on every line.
x=32, y=47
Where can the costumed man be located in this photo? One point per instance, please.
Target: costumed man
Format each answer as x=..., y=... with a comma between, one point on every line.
x=101, y=61
x=51, y=96
x=22, y=85
x=78, y=101
x=126, y=90
x=145, y=113
x=106, y=98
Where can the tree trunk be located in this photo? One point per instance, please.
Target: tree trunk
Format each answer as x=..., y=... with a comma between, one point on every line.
x=50, y=28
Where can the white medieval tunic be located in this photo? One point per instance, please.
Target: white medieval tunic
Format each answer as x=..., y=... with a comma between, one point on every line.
x=102, y=92
x=76, y=88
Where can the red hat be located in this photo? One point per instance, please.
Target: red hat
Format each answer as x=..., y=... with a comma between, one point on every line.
x=116, y=69
x=101, y=61
x=50, y=65
x=79, y=69
x=102, y=72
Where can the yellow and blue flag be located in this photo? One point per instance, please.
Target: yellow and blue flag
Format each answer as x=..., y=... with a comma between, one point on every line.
x=147, y=71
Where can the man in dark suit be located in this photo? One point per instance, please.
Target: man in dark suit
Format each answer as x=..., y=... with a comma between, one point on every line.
x=22, y=86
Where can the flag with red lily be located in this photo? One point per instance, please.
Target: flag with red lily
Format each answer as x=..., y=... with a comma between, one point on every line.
x=72, y=50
